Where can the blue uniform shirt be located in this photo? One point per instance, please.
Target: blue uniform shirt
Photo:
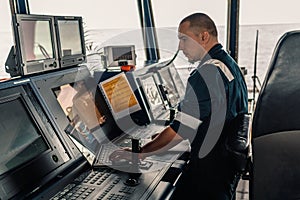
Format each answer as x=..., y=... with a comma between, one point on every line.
x=216, y=92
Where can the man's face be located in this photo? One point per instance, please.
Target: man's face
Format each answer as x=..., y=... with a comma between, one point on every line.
x=190, y=43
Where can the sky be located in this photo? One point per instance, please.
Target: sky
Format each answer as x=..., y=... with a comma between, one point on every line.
x=105, y=14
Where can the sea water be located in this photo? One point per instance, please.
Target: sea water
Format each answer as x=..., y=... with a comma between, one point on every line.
x=268, y=35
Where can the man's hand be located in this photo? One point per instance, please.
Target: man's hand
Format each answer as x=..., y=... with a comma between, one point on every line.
x=124, y=153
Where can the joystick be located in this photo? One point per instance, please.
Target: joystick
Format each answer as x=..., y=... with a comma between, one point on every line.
x=133, y=178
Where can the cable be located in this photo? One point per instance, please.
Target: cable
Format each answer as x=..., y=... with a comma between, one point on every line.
x=170, y=61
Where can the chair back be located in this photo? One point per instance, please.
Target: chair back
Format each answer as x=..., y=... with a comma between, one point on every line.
x=275, y=170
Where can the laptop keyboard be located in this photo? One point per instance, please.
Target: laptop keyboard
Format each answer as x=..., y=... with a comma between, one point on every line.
x=105, y=151
x=140, y=133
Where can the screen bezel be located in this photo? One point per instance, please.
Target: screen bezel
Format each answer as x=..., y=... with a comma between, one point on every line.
x=33, y=66
x=74, y=59
x=36, y=171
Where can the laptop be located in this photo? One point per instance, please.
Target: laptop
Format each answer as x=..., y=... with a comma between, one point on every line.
x=96, y=148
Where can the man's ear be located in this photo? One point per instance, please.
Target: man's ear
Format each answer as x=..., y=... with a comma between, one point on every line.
x=204, y=36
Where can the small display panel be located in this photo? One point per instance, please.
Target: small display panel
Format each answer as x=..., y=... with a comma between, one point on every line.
x=35, y=45
x=124, y=53
x=71, y=45
x=20, y=140
x=69, y=35
x=119, y=96
x=119, y=55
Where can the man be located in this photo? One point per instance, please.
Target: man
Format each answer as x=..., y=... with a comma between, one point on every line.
x=215, y=94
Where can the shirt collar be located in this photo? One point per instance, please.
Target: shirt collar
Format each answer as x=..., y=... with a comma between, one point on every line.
x=211, y=52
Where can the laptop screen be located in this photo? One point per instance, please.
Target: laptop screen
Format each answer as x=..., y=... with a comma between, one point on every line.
x=119, y=96
x=87, y=121
x=76, y=99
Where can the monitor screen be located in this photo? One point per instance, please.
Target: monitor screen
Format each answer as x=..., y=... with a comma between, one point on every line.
x=152, y=95
x=71, y=45
x=78, y=104
x=35, y=43
x=38, y=34
x=20, y=139
x=177, y=80
x=123, y=53
x=30, y=147
x=119, y=96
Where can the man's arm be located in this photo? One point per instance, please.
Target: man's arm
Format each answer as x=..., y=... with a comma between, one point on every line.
x=167, y=139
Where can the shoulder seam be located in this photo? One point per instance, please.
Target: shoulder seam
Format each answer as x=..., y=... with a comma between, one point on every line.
x=221, y=66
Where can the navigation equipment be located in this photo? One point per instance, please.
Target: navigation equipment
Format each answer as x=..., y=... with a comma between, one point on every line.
x=35, y=47
x=29, y=145
x=171, y=83
x=44, y=43
x=118, y=56
x=152, y=95
x=70, y=40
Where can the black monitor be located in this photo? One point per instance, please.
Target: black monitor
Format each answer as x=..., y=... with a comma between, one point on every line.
x=122, y=96
x=167, y=79
x=30, y=148
x=70, y=40
x=35, y=45
x=152, y=95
